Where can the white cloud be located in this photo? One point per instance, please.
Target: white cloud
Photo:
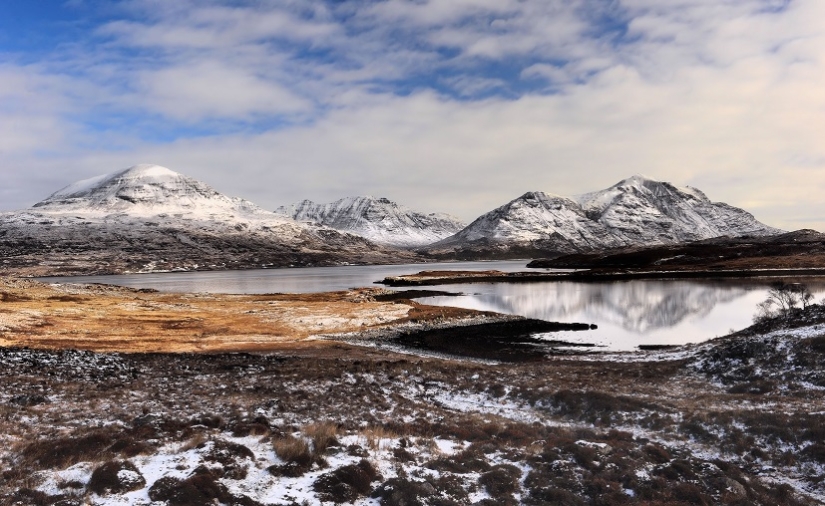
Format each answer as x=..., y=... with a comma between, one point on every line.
x=30, y=102
x=725, y=96
x=215, y=90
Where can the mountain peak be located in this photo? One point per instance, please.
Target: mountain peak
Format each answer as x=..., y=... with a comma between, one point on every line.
x=540, y=196
x=635, y=211
x=149, y=171
x=144, y=189
x=143, y=172
x=378, y=219
x=636, y=180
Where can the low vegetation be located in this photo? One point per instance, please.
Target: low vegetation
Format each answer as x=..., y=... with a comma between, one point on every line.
x=683, y=428
x=735, y=421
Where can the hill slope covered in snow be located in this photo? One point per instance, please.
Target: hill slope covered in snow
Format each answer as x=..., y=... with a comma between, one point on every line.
x=378, y=219
x=149, y=218
x=636, y=211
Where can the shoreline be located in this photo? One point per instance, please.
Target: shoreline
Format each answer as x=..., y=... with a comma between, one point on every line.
x=427, y=278
x=498, y=338
x=109, y=318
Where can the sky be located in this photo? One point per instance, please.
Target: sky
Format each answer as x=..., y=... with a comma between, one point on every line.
x=454, y=106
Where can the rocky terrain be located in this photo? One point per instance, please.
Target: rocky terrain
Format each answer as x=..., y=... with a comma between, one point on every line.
x=149, y=218
x=379, y=220
x=636, y=211
x=734, y=421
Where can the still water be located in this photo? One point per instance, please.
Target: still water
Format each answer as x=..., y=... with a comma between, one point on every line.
x=627, y=313
x=294, y=280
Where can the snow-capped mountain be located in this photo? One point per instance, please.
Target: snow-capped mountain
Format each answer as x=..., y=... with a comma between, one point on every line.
x=379, y=220
x=648, y=211
x=145, y=190
x=149, y=218
x=635, y=211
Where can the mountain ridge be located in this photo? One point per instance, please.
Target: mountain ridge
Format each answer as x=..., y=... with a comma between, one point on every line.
x=148, y=218
x=377, y=219
x=635, y=211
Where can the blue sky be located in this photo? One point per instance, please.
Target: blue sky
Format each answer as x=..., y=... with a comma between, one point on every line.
x=450, y=105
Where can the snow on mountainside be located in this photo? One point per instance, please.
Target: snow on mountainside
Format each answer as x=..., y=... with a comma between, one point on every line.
x=537, y=216
x=379, y=220
x=149, y=218
x=649, y=211
x=151, y=190
x=635, y=211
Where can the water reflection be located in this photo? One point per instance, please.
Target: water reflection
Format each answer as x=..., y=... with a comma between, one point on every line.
x=628, y=314
x=635, y=306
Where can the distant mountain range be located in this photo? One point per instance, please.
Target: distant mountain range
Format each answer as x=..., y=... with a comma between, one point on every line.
x=634, y=212
x=379, y=220
x=149, y=218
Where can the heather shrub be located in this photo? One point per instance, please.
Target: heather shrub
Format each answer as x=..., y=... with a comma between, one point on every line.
x=116, y=477
x=231, y=456
x=468, y=460
x=346, y=483
x=501, y=480
x=67, y=451
x=200, y=489
x=404, y=492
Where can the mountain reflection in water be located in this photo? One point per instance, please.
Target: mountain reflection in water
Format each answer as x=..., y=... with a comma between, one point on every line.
x=629, y=313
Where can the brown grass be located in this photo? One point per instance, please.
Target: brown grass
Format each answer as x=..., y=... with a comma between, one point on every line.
x=113, y=319
x=376, y=436
x=323, y=435
x=293, y=449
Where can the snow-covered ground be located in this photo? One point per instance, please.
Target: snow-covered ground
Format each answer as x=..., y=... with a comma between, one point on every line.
x=379, y=429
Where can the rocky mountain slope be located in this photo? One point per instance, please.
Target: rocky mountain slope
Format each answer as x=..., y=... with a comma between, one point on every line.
x=149, y=218
x=379, y=220
x=635, y=211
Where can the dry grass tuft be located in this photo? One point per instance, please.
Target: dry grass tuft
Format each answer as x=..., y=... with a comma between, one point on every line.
x=378, y=437
x=323, y=436
x=293, y=450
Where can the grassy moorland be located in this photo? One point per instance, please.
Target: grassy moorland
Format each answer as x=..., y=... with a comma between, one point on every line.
x=290, y=417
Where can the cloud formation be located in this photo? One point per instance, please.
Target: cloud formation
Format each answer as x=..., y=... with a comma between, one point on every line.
x=455, y=106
